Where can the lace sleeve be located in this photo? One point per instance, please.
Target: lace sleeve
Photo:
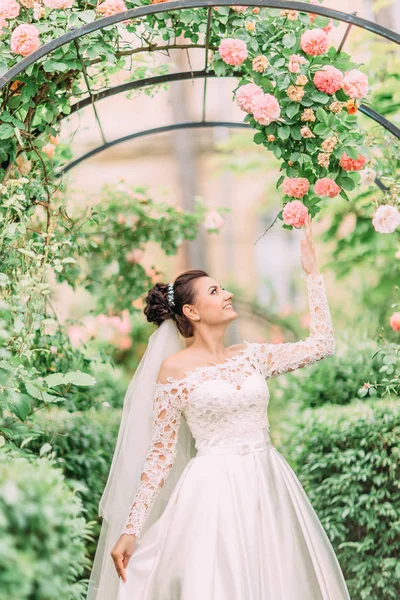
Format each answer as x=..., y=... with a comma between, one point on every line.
x=159, y=458
x=275, y=359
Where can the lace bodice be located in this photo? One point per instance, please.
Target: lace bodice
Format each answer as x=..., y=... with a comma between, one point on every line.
x=225, y=402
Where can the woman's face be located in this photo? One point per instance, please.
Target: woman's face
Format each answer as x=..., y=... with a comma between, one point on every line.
x=213, y=303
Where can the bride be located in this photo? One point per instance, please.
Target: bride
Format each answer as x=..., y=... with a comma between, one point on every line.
x=199, y=504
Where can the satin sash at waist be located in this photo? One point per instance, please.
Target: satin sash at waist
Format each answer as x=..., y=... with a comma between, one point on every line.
x=250, y=445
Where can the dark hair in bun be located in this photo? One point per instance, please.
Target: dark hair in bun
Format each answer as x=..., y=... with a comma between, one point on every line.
x=158, y=307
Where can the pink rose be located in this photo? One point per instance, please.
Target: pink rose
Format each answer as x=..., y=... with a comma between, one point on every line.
x=245, y=94
x=297, y=58
x=213, y=220
x=49, y=150
x=395, y=321
x=295, y=213
x=328, y=79
x=355, y=84
x=111, y=7
x=134, y=256
x=314, y=42
x=296, y=187
x=25, y=39
x=3, y=24
x=265, y=108
x=232, y=51
x=77, y=335
x=58, y=3
x=294, y=66
x=351, y=164
x=368, y=176
x=386, y=218
x=326, y=187
x=9, y=9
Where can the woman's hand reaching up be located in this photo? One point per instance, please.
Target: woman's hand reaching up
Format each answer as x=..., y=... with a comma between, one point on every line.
x=308, y=257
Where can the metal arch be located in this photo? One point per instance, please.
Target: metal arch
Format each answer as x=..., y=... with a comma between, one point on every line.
x=138, y=134
x=165, y=129
x=187, y=75
x=135, y=13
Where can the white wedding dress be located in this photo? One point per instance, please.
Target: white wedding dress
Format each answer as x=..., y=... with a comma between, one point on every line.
x=238, y=524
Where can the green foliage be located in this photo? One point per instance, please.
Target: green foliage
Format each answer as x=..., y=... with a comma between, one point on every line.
x=42, y=531
x=338, y=379
x=82, y=445
x=347, y=459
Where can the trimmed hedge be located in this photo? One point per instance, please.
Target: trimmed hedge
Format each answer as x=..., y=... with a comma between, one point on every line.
x=337, y=378
x=83, y=445
x=347, y=459
x=42, y=532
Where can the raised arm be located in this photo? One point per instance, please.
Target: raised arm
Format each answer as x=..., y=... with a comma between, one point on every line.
x=276, y=359
x=159, y=459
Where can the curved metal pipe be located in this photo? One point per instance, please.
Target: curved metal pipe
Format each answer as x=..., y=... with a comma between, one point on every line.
x=149, y=9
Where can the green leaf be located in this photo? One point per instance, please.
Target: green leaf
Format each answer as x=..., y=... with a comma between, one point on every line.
x=351, y=152
x=79, y=378
x=283, y=132
x=321, y=129
x=321, y=115
x=295, y=132
x=6, y=131
x=347, y=183
x=22, y=409
x=54, y=379
x=292, y=109
x=277, y=150
x=289, y=39
x=320, y=97
x=259, y=137
x=280, y=181
x=45, y=448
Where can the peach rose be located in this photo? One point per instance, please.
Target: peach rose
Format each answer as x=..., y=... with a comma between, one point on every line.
x=111, y=7
x=314, y=42
x=232, y=51
x=25, y=39
x=328, y=79
x=296, y=187
x=9, y=9
x=355, y=84
x=395, y=321
x=326, y=187
x=295, y=213
x=351, y=164
x=245, y=94
x=265, y=109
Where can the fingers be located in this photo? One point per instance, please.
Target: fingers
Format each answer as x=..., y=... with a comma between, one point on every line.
x=119, y=565
x=308, y=229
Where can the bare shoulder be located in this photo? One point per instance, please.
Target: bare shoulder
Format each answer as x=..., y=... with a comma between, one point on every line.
x=173, y=366
x=235, y=348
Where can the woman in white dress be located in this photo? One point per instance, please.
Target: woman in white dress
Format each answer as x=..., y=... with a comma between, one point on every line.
x=237, y=524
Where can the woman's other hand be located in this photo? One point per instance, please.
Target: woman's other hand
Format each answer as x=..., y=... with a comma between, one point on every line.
x=122, y=552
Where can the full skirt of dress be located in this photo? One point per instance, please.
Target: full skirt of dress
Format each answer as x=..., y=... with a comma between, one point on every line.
x=238, y=526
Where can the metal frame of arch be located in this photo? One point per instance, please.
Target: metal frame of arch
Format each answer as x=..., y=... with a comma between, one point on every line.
x=74, y=34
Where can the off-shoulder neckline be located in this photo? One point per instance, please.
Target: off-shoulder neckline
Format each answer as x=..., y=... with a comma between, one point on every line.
x=188, y=374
